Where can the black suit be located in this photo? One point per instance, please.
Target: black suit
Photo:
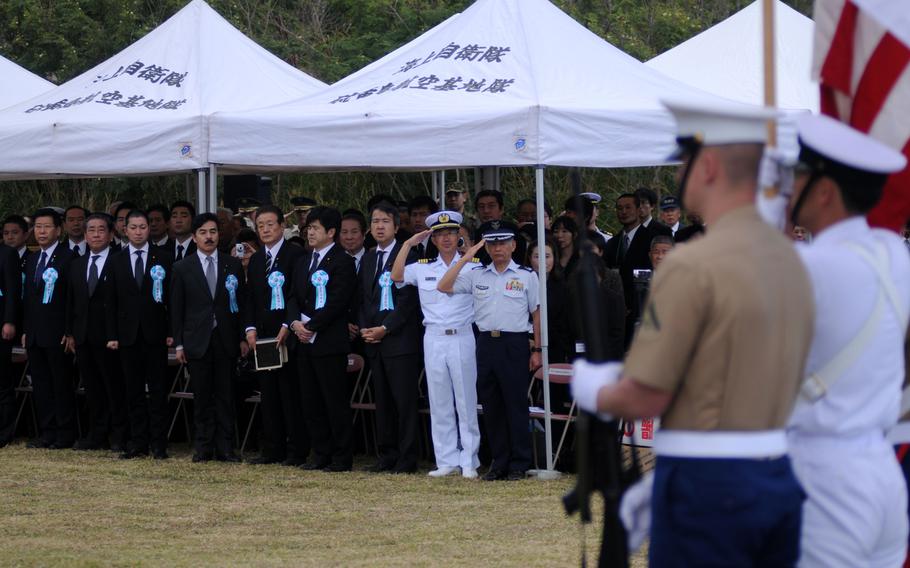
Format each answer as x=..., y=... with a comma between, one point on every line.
x=171, y=246
x=45, y=326
x=140, y=323
x=285, y=434
x=207, y=327
x=689, y=232
x=658, y=228
x=10, y=301
x=395, y=361
x=636, y=257
x=322, y=364
x=98, y=365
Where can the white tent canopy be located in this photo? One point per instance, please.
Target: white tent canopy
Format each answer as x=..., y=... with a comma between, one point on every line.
x=507, y=82
x=145, y=110
x=726, y=60
x=19, y=84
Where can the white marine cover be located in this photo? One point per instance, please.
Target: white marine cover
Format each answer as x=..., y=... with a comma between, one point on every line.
x=506, y=82
x=19, y=84
x=145, y=110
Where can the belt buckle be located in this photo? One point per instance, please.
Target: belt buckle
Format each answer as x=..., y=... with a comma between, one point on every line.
x=495, y=333
x=814, y=388
x=451, y=332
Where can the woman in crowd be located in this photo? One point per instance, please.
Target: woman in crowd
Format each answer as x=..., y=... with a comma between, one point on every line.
x=566, y=231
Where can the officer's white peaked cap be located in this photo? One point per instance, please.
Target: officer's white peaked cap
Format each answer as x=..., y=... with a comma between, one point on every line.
x=715, y=124
x=847, y=146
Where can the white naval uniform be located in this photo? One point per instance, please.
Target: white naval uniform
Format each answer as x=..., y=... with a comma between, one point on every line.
x=450, y=363
x=856, y=512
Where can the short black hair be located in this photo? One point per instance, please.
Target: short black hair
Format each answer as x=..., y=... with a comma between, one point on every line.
x=489, y=193
x=328, y=217
x=71, y=207
x=202, y=219
x=17, y=220
x=629, y=196
x=184, y=203
x=355, y=215
x=378, y=198
x=271, y=209
x=137, y=213
x=161, y=208
x=576, y=202
x=389, y=209
x=566, y=223
x=247, y=235
x=646, y=194
x=597, y=240
x=48, y=212
x=421, y=201
x=128, y=205
x=108, y=220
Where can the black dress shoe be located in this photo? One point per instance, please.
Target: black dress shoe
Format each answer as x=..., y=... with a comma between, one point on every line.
x=228, y=458
x=262, y=460
x=133, y=454
x=292, y=462
x=201, y=458
x=380, y=467
x=494, y=475
x=311, y=466
x=517, y=475
x=337, y=467
x=160, y=454
x=38, y=444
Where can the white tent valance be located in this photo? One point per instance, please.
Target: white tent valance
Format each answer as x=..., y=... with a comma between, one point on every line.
x=19, y=84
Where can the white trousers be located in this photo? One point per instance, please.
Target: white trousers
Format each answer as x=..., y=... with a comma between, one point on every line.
x=451, y=367
x=855, y=515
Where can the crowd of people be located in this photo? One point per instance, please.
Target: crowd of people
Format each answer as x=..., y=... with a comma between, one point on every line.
x=113, y=291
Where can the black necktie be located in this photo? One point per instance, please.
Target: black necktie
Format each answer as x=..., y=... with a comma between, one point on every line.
x=379, y=264
x=76, y=251
x=623, y=248
x=420, y=250
x=42, y=264
x=93, y=275
x=315, y=262
x=268, y=261
x=137, y=268
x=179, y=252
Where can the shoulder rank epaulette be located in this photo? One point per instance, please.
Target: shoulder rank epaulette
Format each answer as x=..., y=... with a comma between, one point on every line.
x=479, y=267
x=426, y=260
x=476, y=260
x=528, y=268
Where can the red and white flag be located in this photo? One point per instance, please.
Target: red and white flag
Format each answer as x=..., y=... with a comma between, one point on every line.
x=862, y=61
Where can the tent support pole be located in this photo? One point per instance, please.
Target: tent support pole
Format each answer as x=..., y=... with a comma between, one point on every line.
x=212, y=201
x=548, y=473
x=200, y=190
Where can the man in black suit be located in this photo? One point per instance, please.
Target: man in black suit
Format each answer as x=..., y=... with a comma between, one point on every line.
x=269, y=280
x=10, y=297
x=207, y=290
x=87, y=296
x=647, y=201
x=46, y=277
x=120, y=212
x=390, y=327
x=159, y=225
x=138, y=326
x=181, y=244
x=419, y=207
x=324, y=281
x=628, y=251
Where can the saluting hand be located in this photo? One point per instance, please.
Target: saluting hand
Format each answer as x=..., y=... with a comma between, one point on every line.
x=472, y=252
x=418, y=238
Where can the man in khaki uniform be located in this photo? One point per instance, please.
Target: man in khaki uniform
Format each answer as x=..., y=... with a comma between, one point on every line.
x=731, y=319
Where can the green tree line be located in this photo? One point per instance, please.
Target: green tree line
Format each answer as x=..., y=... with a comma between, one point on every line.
x=328, y=39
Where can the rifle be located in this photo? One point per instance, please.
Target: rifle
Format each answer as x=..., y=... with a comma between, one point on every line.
x=598, y=443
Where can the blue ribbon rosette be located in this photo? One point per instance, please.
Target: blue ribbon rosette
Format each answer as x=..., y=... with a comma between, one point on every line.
x=319, y=279
x=22, y=289
x=230, y=284
x=157, y=273
x=276, y=279
x=50, y=276
x=385, y=299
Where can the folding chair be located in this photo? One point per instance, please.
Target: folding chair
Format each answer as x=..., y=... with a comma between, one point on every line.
x=362, y=397
x=24, y=389
x=255, y=399
x=560, y=374
x=182, y=382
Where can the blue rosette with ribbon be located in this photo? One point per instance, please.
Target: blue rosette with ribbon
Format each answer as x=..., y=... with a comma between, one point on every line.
x=157, y=273
x=320, y=279
x=22, y=289
x=275, y=281
x=50, y=277
x=230, y=284
x=386, y=303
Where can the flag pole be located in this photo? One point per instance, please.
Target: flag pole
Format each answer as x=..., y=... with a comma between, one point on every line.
x=770, y=78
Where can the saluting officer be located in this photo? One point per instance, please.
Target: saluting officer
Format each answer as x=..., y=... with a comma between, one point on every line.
x=719, y=356
x=506, y=300
x=448, y=345
x=856, y=512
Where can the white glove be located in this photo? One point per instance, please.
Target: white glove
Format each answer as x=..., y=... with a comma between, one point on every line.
x=635, y=510
x=587, y=380
x=775, y=171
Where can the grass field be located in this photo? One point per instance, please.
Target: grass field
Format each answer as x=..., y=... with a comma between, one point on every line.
x=91, y=509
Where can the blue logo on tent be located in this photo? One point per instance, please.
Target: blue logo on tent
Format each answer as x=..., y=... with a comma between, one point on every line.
x=520, y=144
x=185, y=150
